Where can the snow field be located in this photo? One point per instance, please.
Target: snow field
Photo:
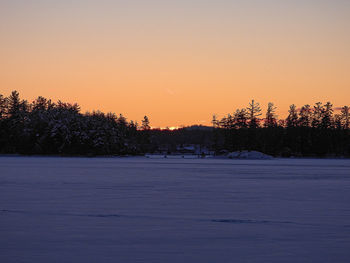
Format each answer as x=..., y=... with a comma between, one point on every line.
x=174, y=210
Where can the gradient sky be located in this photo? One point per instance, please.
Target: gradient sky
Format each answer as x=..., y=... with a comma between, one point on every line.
x=179, y=61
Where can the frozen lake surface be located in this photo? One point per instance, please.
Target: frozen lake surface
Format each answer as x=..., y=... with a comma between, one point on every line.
x=174, y=210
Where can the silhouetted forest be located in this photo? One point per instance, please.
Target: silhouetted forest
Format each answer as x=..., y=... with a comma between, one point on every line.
x=308, y=131
x=59, y=128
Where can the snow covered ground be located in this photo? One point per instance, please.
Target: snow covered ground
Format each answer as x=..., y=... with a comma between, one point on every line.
x=174, y=210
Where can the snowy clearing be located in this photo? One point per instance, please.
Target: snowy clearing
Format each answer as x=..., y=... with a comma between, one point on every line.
x=174, y=210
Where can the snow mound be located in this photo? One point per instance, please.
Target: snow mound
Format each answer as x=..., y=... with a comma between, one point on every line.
x=252, y=155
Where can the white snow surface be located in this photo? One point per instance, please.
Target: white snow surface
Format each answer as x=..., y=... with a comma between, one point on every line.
x=174, y=210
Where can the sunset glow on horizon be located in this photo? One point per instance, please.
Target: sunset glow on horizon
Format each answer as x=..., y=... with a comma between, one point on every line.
x=178, y=62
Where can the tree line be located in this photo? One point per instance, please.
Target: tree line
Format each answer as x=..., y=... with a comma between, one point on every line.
x=45, y=127
x=308, y=131
x=59, y=128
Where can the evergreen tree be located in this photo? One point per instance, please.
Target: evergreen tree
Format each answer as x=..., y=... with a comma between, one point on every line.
x=292, y=119
x=14, y=104
x=3, y=106
x=145, y=124
x=345, y=115
x=230, y=122
x=305, y=116
x=254, y=112
x=338, y=122
x=215, y=121
x=241, y=118
x=270, y=119
x=317, y=115
x=42, y=104
x=222, y=123
x=327, y=116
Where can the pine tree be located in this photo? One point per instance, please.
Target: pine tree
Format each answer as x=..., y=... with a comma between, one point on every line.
x=241, y=120
x=230, y=122
x=215, y=122
x=254, y=112
x=222, y=123
x=305, y=116
x=338, y=122
x=292, y=119
x=270, y=119
x=145, y=124
x=14, y=104
x=317, y=115
x=41, y=104
x=327, y=115
x=3, y=106
x=345, y=115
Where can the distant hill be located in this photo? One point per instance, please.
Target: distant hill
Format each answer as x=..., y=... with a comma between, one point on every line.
x=198, y=127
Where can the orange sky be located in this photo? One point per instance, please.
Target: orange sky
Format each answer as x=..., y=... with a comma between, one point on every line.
x=178, y=62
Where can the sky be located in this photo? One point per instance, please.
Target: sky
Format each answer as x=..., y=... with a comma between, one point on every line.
x=178, y=62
